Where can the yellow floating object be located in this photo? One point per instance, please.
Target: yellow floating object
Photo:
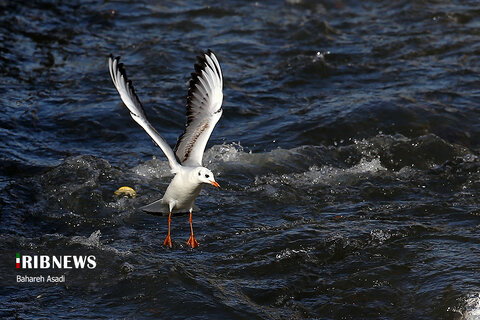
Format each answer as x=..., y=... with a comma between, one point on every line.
x=126, y=191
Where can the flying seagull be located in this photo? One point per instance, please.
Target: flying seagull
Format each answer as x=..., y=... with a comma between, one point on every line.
x=204, y=109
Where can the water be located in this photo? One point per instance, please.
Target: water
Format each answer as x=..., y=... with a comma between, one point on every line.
x=348, y=156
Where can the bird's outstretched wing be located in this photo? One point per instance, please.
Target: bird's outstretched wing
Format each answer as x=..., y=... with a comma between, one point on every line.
x=131, y=101
x=204, y=109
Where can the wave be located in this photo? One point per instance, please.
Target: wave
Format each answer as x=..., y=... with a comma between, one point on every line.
x=85, y=184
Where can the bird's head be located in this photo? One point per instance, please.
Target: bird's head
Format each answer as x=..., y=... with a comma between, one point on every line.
x=206, y=176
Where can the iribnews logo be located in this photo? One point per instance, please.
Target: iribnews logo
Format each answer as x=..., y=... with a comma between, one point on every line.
x=55, y=262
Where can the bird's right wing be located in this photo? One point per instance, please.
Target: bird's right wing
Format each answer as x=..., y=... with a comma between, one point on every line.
x=131, y=101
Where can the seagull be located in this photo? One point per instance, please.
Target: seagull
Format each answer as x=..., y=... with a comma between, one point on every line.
x=204, y=109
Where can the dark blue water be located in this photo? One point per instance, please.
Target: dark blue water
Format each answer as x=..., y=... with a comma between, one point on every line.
x=348, y=155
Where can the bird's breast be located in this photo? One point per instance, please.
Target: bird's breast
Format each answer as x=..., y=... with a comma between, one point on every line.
x=182, y=192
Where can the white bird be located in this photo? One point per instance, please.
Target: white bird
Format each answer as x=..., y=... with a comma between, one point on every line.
x=204, y=109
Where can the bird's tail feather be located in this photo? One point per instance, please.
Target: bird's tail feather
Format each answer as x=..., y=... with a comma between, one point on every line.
x=156, y=207
x=161, y=208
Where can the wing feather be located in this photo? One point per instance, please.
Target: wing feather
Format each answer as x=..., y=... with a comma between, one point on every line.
x=130, y=99
x=204, y=109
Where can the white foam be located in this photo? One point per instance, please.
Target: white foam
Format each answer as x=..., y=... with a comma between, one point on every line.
x=323, y=175
x=92, y=241
x=153, y=169
x=328, y=174
x=472, y=308
x=373, y=165
x=287, y=253
x=120, y=204
x=380, y=236
x=225, y=152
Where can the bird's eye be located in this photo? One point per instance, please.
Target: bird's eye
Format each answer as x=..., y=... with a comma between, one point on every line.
x=206, y=176
x=199, y=174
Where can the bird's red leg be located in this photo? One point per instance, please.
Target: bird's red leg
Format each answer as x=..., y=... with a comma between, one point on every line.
x=192, y=242
x=168, y=241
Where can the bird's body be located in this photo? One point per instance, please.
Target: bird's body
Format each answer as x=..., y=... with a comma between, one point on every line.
x=180, y=194
x=204, y=109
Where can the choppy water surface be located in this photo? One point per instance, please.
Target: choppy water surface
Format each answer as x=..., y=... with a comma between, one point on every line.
x=348, y=156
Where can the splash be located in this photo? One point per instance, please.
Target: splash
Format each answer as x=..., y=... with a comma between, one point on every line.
x=153, y=169
x=472, y=308
x=92, y=241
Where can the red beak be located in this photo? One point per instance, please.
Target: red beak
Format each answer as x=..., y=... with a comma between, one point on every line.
x=214, y=183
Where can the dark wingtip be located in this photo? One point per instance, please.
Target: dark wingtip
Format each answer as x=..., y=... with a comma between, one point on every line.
x=110, y=56
x=122, y=70
x=199, y=66
x=198, y=69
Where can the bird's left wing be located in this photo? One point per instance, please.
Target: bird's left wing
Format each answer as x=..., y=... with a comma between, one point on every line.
x=131, y=101
x=204, y=109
